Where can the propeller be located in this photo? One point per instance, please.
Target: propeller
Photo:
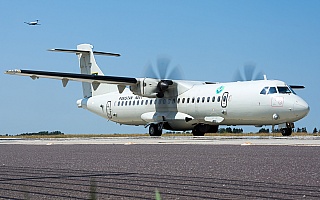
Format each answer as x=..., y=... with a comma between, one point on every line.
x=162, y=70
x=163, y=73
x=249, y=74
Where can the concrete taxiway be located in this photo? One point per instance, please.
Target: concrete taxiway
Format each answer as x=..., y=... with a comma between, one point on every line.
x=206, y=140
x=69, y=169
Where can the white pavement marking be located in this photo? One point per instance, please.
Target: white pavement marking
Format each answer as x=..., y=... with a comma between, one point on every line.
x=205, y=140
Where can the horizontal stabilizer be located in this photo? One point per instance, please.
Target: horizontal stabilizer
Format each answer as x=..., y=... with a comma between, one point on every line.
x=84, y=51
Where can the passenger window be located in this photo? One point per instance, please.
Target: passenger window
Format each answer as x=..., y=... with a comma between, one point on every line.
x=272, y=90
x=193, y=100
x=213, y=98
x=188, y=100
x=218, y=100
x=264, y=90
x=169, y=101
x=141, y=102
x=284, y=90
x=129, y=103
x=208, y=99
x=146, y=102
x=198, y=99
x=155, y=101
x=150, y=101
x=178, y=100
x=173, y=101
x=118, y=103
x=183, y=100
x=122, y=103
x=203, y=99
x=164, y=101
x=137, y=102
x=126, y=103
x=133, y=102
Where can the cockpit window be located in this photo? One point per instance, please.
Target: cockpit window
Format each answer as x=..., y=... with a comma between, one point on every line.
x=284, y=90
x=275, y=90
x=264, y=90
x=291, y=90
x=272, y=90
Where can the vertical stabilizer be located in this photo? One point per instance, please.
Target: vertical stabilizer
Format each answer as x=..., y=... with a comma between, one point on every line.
x=89, y=66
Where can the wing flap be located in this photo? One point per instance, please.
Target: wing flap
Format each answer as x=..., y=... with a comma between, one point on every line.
x=65, y=77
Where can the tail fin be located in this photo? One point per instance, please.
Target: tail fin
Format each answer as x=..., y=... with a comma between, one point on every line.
x=89, y=66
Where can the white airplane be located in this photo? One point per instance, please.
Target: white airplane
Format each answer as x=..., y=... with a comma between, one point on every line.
x=179, y=105
x=33, y=23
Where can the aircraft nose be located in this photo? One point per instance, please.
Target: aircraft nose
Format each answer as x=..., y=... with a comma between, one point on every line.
x=301, y=108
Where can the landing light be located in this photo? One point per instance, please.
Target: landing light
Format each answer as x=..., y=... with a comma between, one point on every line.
x=275, y=116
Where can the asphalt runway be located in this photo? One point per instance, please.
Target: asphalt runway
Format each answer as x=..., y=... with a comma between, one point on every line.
x=247, y=169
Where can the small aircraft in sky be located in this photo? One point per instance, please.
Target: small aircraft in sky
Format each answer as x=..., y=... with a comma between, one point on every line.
x=33, y=23
x=179, y=105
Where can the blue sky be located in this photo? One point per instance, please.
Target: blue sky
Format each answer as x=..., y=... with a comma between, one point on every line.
x=209, y=40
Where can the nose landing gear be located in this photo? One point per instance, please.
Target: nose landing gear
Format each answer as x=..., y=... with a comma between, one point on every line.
x=288, y=130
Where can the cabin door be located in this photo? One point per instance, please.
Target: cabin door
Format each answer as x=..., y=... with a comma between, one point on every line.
x=108, y=109
x=224, y=100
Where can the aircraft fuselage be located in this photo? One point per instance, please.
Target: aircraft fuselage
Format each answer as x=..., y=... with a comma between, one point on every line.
x=234, y=103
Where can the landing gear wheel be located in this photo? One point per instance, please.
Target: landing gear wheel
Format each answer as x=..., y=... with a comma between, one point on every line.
x=197, y=133
x=213, y=129
x=200, y=129
x=155, y=130
x=286, y=131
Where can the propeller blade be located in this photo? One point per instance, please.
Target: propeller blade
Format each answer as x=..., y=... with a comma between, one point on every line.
x=150, y=72
x=237, y=76
x=175, y=74
x=162, y=66
x=259, y=76
x=248, y=72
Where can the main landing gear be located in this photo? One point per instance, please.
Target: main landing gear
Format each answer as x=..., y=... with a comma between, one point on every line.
x=201, y=129
x=155, y=129
x=288, y=130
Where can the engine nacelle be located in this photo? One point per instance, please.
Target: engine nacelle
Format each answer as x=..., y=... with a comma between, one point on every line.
x=146, y=87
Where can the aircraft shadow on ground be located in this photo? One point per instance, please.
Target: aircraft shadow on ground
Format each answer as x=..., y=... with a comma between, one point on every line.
x=50, y=183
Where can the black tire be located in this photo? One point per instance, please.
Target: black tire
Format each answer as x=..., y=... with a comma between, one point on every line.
x=154, y=130
x=197, y=133
x=213, y=129
x=201, y=129
x=286, y=131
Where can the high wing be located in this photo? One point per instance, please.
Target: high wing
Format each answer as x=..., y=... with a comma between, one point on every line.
x=297, y=86
x=96, y=83
x=65, y=77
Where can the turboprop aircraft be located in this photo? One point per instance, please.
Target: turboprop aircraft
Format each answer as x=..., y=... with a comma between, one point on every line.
x=179, y=105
